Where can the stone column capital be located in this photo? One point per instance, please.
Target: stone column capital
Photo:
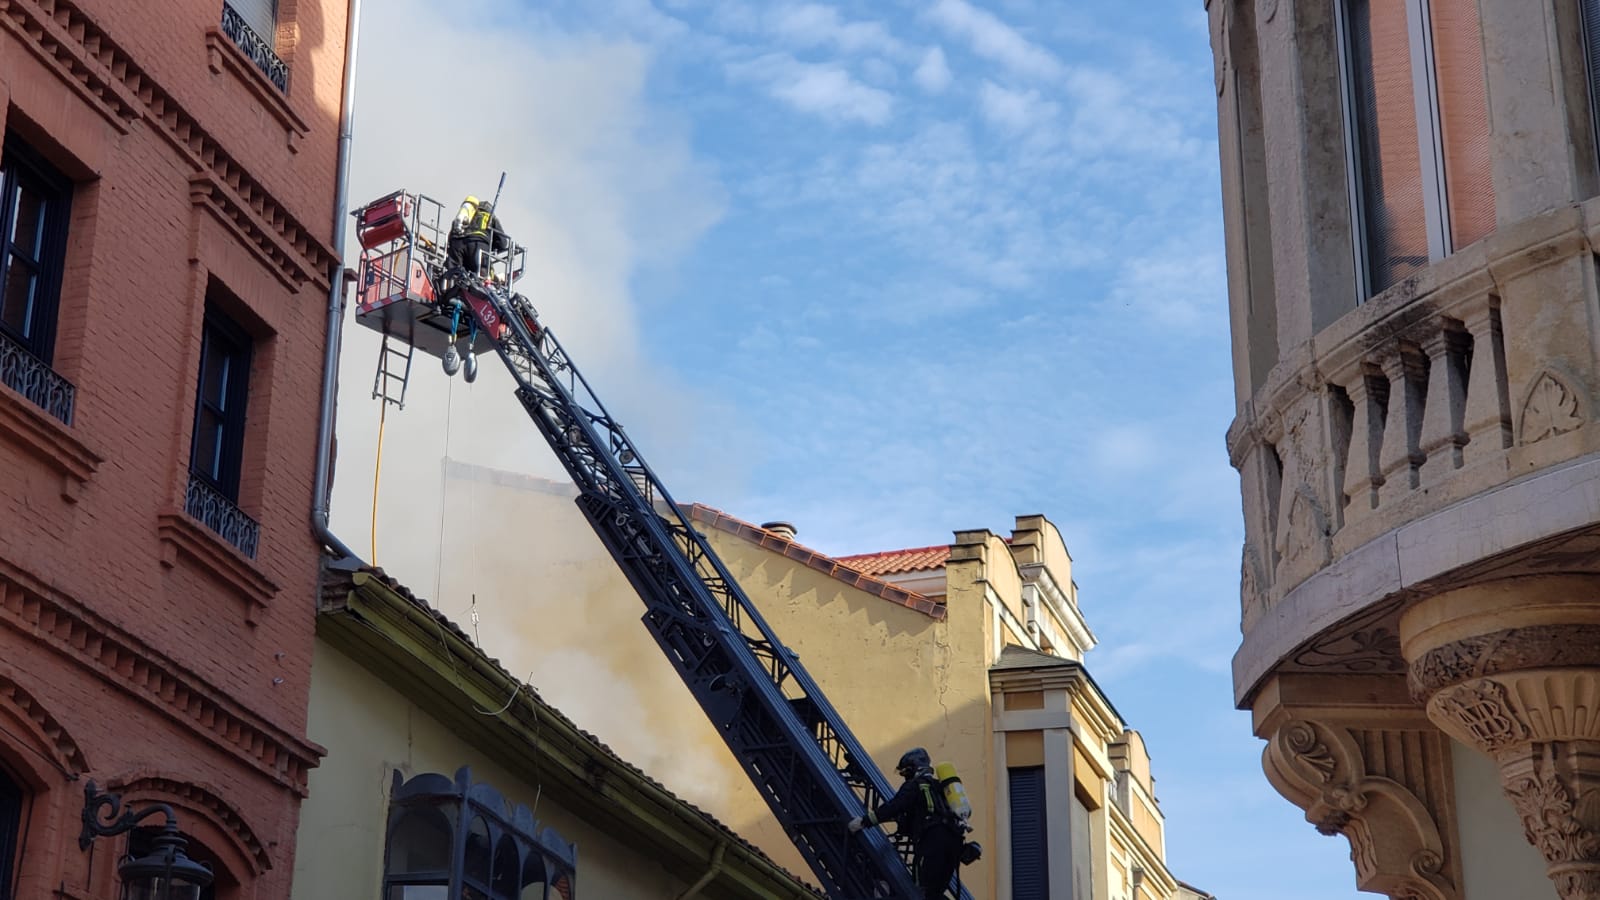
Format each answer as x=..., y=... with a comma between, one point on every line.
x=1512, y=668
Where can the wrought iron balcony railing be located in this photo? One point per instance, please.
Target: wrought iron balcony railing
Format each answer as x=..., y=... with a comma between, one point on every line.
x=219, y=514
x=258, y=48
x=29, y=376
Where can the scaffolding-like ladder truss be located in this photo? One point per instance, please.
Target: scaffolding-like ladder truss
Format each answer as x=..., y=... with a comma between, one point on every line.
x=790, y=741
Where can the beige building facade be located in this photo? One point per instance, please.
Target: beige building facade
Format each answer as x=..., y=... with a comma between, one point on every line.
x=447, y=776
x=973, y=649
x=1412, y=223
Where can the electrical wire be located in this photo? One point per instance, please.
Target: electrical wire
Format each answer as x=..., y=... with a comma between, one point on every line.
x=444, y=488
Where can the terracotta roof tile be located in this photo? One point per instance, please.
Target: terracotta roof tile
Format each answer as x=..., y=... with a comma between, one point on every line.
x=888, y=562
x=834, y=568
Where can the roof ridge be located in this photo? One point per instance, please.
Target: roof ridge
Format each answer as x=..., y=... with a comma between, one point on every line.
x=878, y=553
x=821, y=562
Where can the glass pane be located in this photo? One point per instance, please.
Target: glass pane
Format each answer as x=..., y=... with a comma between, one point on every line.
x=532, y=878
x=16, y=298
x=1463, y=119
x=419, y=892
x=507, y=868
x=28, y=220
x=208, y=444
x=420, y=842
x=214, y=372
x=1386, y=140
x=475, y=866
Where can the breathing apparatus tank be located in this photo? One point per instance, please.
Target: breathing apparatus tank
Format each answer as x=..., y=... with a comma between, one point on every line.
x=955, y=796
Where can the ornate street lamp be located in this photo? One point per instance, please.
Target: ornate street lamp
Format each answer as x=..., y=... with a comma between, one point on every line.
x=165, y=872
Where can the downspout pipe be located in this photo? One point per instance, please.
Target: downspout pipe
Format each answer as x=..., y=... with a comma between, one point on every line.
x=694, y=890
x=330, y=355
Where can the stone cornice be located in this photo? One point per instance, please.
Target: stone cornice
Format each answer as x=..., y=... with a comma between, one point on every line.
x=66, y=626
x=1060, y=606
x=94, y=65
x=47, y=440
x=209, y=193
x=66, y=53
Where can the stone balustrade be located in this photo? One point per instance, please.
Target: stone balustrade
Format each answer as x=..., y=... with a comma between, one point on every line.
x=1480, y=368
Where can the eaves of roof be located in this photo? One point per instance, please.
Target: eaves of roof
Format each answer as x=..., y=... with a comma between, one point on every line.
x=379, y=622
x=811, y=559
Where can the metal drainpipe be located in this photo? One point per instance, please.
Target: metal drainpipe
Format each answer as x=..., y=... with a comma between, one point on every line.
x=716, y=867
x=330, y=356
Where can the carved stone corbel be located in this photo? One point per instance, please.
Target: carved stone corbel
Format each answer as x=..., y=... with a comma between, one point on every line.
x=1396, y=838
x=1526, y=697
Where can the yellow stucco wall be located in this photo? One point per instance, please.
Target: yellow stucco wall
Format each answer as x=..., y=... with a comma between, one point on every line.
x=370, y=730
x=899, y=678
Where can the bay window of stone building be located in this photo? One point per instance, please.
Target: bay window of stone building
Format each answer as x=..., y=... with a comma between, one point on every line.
x=1417, y=133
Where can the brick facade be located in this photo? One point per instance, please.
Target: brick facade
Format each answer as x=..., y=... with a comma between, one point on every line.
x=138, y=647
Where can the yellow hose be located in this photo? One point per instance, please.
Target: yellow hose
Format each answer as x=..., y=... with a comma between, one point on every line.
x=377, y=467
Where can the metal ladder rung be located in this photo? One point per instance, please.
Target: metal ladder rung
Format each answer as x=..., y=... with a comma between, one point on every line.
x=394, y=371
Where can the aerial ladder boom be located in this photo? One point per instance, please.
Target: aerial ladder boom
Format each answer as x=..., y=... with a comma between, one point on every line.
x=787, y=737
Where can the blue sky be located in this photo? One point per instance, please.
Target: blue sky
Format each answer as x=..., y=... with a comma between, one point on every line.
x=885, y=271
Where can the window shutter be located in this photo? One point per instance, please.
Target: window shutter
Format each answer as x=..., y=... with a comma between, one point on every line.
x=1030, y=858
x=261, y=16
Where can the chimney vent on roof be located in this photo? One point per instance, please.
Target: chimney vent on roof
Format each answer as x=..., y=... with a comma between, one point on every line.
x=781, y=529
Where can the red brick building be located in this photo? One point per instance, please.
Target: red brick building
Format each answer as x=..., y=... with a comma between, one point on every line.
x=166, y=198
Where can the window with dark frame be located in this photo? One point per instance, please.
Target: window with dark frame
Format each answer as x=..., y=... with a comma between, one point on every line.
x=217, y=450
x=11, y=804
x=35, y=202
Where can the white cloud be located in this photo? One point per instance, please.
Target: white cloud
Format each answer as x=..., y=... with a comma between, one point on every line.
x=822, y=89
x=933, y=73
x=815, y=25
x=1014, y=110
x=993, y=39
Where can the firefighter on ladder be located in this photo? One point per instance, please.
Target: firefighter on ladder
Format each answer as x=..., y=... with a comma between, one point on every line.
x=921, y=812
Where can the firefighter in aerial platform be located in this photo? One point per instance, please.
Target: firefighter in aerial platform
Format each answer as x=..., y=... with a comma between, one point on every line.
x=932, y=811
x=474, y=234
x=476, y=237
